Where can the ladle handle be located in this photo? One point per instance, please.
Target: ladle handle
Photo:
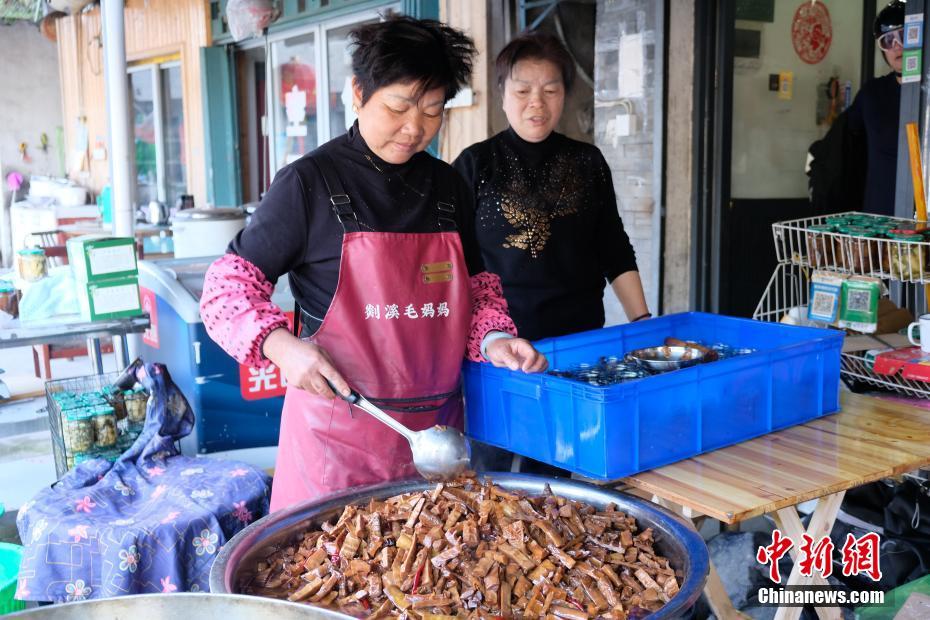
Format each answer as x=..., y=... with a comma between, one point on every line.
x=354, y=398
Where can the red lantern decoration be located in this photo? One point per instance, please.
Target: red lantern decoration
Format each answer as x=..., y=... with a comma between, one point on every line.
x=811, y=31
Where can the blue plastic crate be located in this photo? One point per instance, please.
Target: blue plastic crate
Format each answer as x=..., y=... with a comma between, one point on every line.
x=611, y=432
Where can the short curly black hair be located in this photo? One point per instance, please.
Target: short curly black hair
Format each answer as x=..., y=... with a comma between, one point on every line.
x=405, y=50
x=535, y=45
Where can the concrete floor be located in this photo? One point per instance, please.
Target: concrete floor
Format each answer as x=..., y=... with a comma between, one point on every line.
x=26, y=460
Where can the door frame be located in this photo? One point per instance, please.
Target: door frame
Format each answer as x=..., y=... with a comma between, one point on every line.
x=714, y=22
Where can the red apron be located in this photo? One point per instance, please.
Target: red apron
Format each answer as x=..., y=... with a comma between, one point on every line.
x=396, y=329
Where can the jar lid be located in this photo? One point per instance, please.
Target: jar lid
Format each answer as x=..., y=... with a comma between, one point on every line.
x=905, y=235
x=7, y=287
x=857, y=231
x=32, y=252
x=79, y=414
x=822, y=228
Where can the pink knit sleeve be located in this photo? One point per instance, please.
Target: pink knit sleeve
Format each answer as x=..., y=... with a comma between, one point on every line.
x=237, y=311
x=488, y=312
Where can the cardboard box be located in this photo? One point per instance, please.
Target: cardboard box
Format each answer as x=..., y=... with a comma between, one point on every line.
x=93, y=257
x=116, y=298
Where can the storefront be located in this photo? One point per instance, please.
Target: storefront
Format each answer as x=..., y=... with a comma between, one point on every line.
x=272, y=99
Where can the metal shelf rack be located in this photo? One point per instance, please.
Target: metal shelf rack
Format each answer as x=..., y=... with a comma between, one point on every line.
x=802, y=248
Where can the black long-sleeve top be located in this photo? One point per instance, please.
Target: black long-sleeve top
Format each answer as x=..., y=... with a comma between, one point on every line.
x=548, y=225
x=874, y=114
x=295, y=230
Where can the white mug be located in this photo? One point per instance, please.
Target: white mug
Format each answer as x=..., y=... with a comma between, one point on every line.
x=923, y=321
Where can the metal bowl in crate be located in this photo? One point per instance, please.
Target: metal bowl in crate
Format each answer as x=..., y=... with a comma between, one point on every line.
x=666, y=358
x=674, y=539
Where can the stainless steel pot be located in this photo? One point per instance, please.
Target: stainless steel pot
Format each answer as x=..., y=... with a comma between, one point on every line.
x=675, y=540
x=179, y=605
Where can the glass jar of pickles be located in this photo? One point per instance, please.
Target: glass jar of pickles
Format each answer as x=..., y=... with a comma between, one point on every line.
x=115, y=399
x=862, y=249
x=820, y=246
x=9, y=299
x=104, y=421
x=906, y=257
x=31, y=264
x=78, y=431
x=136, y=401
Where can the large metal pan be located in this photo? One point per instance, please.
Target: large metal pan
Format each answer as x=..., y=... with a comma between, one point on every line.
x=674, y=539
x=179, y=605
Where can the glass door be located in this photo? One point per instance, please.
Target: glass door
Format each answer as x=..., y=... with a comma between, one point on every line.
x=779, y=72
x=310, y=99
x=295, y=65
x=157, y=105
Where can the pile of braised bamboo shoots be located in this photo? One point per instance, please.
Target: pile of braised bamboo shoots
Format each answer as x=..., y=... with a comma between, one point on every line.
x=470, y=549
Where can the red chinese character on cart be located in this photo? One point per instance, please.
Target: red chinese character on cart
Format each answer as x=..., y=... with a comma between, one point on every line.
x=819, y=556
x=265, y=379
x=860, y=555
x=774, y=552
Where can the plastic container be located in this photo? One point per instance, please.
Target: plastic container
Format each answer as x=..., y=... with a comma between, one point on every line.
x=78, y=431
x=9, y=299
x=906, y=258
x=136, y=401
x=862, y=250
x=820, y=245
x=10, y=556
x=31, y=265
x=610, y=432
x=104, y=422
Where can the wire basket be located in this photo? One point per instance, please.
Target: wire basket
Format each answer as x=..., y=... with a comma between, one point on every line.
x=800, y=242
x=785, y=301
x=854, y=365
x=64, y=457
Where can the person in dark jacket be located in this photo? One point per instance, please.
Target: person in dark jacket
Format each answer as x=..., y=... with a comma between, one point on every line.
x=874, y=113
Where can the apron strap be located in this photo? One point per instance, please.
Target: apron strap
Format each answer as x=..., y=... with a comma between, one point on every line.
x=409, y=405
x=342, y=205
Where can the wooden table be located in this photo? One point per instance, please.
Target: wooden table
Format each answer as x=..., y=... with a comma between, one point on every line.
x=869, y=439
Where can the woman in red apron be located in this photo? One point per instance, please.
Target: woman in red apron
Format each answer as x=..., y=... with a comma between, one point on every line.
x=377, y=238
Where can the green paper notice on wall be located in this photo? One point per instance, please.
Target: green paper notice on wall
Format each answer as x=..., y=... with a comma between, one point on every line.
x=911, y=66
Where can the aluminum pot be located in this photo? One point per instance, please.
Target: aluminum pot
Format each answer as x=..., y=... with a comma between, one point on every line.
x=675, y=540
x=179, y=605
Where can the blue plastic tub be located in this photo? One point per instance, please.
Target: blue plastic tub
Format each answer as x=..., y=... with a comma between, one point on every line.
x=611, y=432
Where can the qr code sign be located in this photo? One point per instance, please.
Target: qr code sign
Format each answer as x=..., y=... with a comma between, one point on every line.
x=859, y=301
x=823, y=304
x=912, y=63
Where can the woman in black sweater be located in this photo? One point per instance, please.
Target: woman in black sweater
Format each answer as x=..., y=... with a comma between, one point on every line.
x=546, y=213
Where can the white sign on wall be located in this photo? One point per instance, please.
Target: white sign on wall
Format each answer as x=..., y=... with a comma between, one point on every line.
x=631, y=66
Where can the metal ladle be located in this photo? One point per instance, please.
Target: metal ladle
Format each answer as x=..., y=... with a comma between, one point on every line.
x=439, y=453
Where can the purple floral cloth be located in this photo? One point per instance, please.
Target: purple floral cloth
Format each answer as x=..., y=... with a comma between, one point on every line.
x=152, y=521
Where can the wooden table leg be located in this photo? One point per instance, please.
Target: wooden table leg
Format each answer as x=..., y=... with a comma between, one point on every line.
x=821, y=524
x=714, y=589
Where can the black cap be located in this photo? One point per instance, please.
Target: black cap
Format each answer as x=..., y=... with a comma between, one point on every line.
x=889, y=18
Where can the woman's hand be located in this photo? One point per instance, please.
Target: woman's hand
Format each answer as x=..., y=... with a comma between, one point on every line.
x=516, y=354
x=305, y=365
